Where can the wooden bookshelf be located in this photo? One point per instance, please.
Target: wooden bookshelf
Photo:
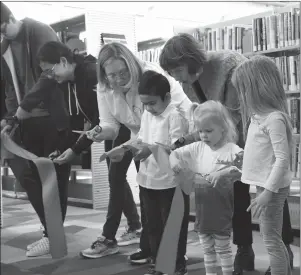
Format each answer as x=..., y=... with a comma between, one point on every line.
x=293, y=49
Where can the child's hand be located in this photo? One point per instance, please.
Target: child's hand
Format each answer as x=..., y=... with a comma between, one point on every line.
x=217, y=177
x=142, y=154
x=201, y=180
x=174, y=163
x=260, y=203
x=177, y=169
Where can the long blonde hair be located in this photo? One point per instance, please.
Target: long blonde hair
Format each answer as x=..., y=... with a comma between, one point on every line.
x=115, y=51
x=260, y=90
x=214, y=109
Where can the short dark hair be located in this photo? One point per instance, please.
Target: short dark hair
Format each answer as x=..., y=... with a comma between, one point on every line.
x=182, y=49
x=5, y=13
x=51, y=52
x=153, y=83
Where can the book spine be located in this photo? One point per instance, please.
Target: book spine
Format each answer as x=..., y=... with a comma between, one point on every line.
x=285, y=31
x=273, y=31
x=289, y=28
x=254, y=34
x=267, y=27
x=264, y=41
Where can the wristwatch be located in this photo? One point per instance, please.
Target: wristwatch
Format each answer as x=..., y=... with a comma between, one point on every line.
x=180, y=142
x=98, y=129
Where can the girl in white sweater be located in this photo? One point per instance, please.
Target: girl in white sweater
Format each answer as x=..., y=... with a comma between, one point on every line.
x=267, y=150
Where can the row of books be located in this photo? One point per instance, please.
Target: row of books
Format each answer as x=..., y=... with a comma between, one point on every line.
x=293, y=104
x=235, y=37
x=276, y=31
x=289, y=67
x=270, y=32
x=151, y=55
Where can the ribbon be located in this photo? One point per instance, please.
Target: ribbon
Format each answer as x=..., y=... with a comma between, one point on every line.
x=50, y=195
x=167, y=253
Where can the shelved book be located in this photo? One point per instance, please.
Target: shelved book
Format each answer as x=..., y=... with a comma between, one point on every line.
x=293, y=104
x=289, y=67
x=235, y=37
x=295, y=161
x=276, y=31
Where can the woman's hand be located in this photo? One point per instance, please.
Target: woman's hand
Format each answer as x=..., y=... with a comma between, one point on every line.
x=95, y=134
x=260, y=203
x=65, y=157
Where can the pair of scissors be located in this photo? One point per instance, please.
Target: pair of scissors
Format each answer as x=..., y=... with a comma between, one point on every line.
x=97, y=129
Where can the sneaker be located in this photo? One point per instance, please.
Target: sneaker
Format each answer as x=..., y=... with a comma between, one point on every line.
x=181, y=271
x=152, y=271
x=139, y=258
x=30, y=246
x=129, y=237
x=100, y=248
x=40, y=249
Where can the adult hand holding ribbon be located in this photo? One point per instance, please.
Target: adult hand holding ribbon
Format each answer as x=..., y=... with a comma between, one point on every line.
x=50, y=193
x=167, y=253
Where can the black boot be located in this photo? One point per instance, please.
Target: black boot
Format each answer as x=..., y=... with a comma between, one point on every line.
x=291, y=255
x=244, y=259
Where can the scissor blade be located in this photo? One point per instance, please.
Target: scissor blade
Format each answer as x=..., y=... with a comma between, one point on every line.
x=79, y=132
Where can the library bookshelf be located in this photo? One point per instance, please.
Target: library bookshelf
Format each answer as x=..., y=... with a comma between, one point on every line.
x=275, y=34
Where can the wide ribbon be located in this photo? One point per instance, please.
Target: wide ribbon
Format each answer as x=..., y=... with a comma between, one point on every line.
x=167, y=253
x=50, y=194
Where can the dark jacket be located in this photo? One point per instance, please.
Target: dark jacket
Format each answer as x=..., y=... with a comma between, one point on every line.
x=33, y=34
x=83, y=88
x=85, y=81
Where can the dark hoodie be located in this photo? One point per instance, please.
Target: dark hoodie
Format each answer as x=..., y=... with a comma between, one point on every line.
x=82, y=90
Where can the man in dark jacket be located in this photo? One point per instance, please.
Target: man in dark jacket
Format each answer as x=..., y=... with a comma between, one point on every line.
x=37, y=134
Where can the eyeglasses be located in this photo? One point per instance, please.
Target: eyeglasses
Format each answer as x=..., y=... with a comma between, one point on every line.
x=121, y=75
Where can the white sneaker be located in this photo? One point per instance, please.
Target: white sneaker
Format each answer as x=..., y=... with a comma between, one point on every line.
x=30, y=246
x=40, y=249
x=128, y=238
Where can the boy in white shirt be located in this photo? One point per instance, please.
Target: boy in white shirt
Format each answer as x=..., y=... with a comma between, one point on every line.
x=163, y=123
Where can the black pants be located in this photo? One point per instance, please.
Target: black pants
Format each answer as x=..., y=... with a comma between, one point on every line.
x=39, y=136
x=121, y=197
x=157, y=204
x=242, y=220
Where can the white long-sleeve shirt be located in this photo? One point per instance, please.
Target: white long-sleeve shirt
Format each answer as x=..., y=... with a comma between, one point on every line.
x=165, y=128
x=116, y=108
x=267, y=153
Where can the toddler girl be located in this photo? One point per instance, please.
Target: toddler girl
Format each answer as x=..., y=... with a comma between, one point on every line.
x=213, y=160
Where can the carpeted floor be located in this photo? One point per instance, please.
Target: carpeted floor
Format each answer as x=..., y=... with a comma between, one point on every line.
x=21, y=227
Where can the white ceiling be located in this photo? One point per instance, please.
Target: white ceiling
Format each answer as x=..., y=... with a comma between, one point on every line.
x=200, y=13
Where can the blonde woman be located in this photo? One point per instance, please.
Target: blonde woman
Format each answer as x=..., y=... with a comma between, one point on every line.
x=267, y=150
x=119, y=73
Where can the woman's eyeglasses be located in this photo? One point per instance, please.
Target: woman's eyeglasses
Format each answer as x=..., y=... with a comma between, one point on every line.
x=121, y=75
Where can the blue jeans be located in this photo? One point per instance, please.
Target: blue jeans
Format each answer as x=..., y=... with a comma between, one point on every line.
x=271, y=227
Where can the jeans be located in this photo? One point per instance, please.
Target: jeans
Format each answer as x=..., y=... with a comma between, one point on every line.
x=39, y=136
x=157, y=204
x=270, y=227
x=242, y=220
x=121, y=198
